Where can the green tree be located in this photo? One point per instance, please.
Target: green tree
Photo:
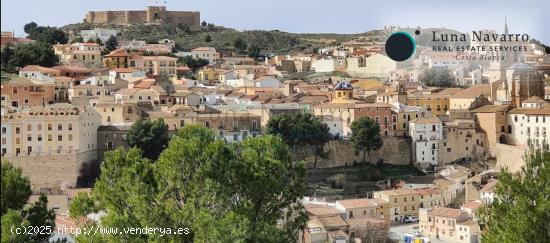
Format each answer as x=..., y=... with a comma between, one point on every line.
x=520, y=211
x=32, y=54
x=365, y=136
x=110, y=45
x=301, y=130
x=254, y=51
x=9, y=219
x=207, y=38
x=6, y=55
x=29, y=27
x=222, y=192
x=193, y=63
x=98, y=41
x=240, y=45
x=77, y=40
x=91, y=40
x=438, y=76
x=149, y=136
x=16, y=189
x=37, y=215
x=203, y=23
x=47, y=34
x=82, y=205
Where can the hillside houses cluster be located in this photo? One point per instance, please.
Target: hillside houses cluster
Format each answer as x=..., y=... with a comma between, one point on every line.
x=57, y=119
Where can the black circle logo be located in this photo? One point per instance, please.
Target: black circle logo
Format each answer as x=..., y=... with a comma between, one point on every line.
x=400, y=46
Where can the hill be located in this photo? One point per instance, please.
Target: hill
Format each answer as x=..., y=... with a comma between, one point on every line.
x=189, y=37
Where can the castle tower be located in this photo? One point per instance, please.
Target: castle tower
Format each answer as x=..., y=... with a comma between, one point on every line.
x=155, y=14
x=343, y=92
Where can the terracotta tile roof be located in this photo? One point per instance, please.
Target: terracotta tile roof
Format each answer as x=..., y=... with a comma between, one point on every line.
x=357, y=203
x=449, y=91
x=445, y=212
x=118, y=53
x=491, y=109
x=474, y=91
x=545, y=110
x=474, y=205
x=37, y=68
x=123, y=70
x=489, y=186
x=534, y=99
x=333, y=221
x=321, y=210
x=468, y=223
x=423, y=120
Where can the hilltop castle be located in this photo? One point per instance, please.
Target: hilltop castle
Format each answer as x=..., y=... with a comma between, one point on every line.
x=153, y=14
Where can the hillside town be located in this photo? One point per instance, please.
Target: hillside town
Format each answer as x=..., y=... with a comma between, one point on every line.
x=453, y=125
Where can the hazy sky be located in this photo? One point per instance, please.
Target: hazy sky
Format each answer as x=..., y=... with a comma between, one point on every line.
x=307, y=16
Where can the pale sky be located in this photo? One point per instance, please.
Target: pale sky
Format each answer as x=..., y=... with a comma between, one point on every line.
x=308, y=16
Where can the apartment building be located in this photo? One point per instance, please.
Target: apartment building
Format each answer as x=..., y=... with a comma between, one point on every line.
x=530, y=123
x=23, y=91
x=426, y=134
x=401, y=202
x=50, y=143
x=155, y=65
x=449, y=224
x=362, y=208
x=79, y=54
x=231, y=126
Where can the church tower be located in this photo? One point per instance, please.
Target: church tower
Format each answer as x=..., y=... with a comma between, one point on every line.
x=343, y=93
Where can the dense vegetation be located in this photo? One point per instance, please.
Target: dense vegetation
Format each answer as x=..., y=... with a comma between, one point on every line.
x=520, y=211
x=221, y=192
x=16, y=190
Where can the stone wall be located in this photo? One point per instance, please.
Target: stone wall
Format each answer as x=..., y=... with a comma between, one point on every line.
x=340, y=153
x=151, y=15
x=50, y=171
x=510, y=156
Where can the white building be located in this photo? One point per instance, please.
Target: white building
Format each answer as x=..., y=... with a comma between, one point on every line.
x=100, y=33
x=208, y=53
x=530, y=123
x=487, y=194
x=324, y=65
x=267, y=82
x=426, y=133
x=377, y=65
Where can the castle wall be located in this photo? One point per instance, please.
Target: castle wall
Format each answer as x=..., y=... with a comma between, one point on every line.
x=340, y=153
x=151, y=15
x=50, y=171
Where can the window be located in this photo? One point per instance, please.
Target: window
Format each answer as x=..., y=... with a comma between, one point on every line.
x=49, y=127
x=4, y=130
x=49, y=137
x=14, y=90
x=17, y=130
x=29, y=138
x=59, y=127
x=235, y=125
x=207, y=124
x=29, y=127
x=70, y=137
x=39, y=137
x=59, y=137
x=433, y=128
x=70, y=126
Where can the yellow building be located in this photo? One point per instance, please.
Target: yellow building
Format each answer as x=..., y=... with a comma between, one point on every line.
x=401, y=202
x=50, y=143
x=437, y=104
x=343, y=93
